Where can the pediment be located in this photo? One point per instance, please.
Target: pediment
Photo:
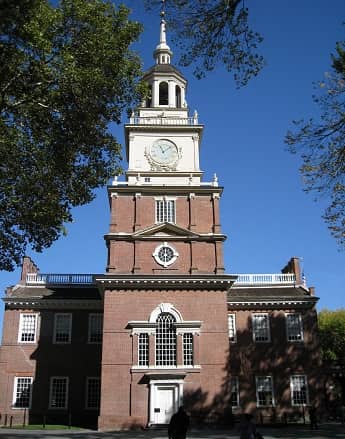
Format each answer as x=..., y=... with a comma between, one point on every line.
x=165, y=229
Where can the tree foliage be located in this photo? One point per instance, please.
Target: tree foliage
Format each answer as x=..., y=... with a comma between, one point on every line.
x=321, y=144
x=66, y=72
x=212, y=33
x=332, y=334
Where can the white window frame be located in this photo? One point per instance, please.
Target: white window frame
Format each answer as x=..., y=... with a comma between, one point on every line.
x=146, y=351
x=87, y=393
x=291, y=336
x=165, y=263
x=90, y=333
x=165, y=213
x=66, y=379
x=15, y=389
x=188, y=349
x=232, y=328
x=269, y=379
x=304, y=377
x=21, y=327
x=255, y=328
x=56, y=316
x=235, y=388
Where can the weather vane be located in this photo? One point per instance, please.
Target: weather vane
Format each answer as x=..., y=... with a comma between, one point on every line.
x=163, y=8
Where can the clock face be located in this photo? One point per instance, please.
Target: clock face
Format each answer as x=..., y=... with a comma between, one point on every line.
x=164, y=152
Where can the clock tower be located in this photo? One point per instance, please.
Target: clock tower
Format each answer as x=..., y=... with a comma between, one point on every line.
x=165, y=291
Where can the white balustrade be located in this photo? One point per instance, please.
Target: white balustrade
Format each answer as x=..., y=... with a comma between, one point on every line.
x=58, y=279
x=265, y=279
x=136, y=120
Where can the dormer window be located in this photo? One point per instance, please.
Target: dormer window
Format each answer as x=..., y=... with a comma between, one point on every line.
x=163, y=93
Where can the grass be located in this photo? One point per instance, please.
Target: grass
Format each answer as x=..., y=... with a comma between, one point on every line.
x=40, y=427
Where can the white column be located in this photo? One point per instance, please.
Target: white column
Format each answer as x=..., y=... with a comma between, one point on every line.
x=155, y=93
x=172, y=95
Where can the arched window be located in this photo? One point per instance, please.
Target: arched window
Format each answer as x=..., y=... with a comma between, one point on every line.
x=178, y=96
x=163, y=93
x=166, y=340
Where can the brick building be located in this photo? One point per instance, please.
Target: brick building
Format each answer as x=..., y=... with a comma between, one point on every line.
x=165, y=324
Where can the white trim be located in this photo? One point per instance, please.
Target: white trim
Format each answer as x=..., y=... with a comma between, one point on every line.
x=306, y=390
x=66, y=394
x=165, y=308
x=20, y=329
x=268, y=327
x=299, y=315
x=232, y=317
x=159, y=261
x=14, y=395
x=176, y=384
x=69, y=328
x=271, y=389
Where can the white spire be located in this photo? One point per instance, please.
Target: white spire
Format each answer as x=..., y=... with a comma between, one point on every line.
x=162, y=53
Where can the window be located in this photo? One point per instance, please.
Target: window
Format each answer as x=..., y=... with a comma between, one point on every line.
x=165, y=340
x=294, y=327
x=95, y=328
x=235, y=394
x=188, y=349
x=93, y=393
x=63, y=328
x=232, y=327
x=163, y=93
x=264, y=391
x=22, y=392
x=165, y=211
x=143, y=350
x=299, y=390
x=27, y=328
x=58, y=393
x=261, y=330
x=178, y=96
x=165, y=254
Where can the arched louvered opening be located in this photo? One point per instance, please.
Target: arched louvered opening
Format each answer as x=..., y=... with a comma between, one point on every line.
x=178, y=97
x=149, y=97
x=166, y=340
x=163, y=93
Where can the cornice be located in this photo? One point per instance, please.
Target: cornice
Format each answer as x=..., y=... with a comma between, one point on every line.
x=43, y=303
x=272, y=303
x=163, y=190
x=162, y=128
x=113, y=236
x=176, y=282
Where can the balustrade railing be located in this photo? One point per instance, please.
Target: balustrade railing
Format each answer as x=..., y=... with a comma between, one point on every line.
x=58, y=279
x=136, y=120
x=265, y=279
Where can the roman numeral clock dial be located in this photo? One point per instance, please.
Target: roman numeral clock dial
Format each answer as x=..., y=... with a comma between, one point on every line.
x=163, y=155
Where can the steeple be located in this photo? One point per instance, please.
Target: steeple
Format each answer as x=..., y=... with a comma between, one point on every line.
x=162, y=53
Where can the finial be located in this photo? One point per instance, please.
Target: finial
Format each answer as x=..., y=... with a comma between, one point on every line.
x=162, y=53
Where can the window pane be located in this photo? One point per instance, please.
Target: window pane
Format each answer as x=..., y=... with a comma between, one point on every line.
x=166, y=340
x=143, y=349
x=264, y=391
x=58, y=392
x=294, y=327
x=165, y=211
x=299, y=390
x=188, y=349
x=95, y=328
x=22, y=392
x=235, y=397
x=93, y=393
x=63, y=324
x=232, y=327
x=261, y=327
x=28, y=324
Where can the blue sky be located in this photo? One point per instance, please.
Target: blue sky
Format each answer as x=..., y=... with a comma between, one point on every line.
x=265, y=214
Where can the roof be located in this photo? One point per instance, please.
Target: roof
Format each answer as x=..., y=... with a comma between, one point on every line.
x=163, y=68
x=53, y=292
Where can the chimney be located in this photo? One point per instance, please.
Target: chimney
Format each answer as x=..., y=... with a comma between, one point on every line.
x=293, y=266
x=28, y=266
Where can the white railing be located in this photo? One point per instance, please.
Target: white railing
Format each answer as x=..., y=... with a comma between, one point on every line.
x=265, y=279
x=58, y=279
x=161, y=120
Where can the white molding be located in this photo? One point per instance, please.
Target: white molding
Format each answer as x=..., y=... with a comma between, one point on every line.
x=166, y=308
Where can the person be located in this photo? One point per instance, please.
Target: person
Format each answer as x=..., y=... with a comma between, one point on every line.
x=313, y=418
x=248, y=428
x=178, y=425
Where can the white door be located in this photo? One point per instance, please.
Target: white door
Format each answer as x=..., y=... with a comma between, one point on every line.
x=165, y=405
